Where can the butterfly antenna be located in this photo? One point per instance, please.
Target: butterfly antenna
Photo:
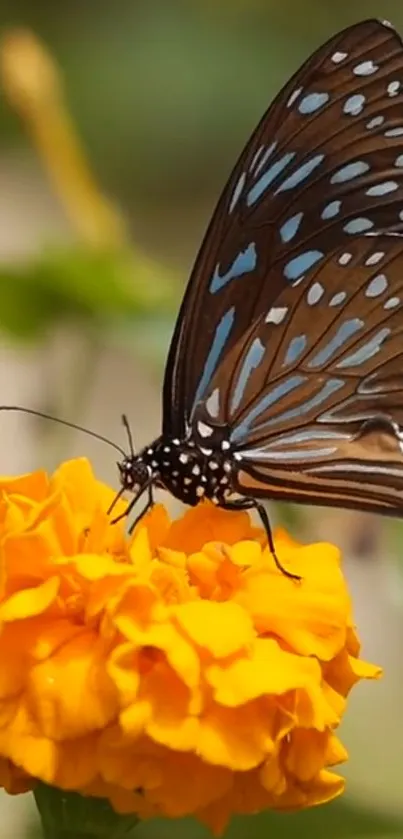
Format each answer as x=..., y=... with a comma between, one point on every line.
x=63, y=422
x=125, y=422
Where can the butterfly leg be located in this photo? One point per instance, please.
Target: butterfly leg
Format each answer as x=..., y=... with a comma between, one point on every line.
x=251, y=504
x=266, y=524
x=114, y=502
x=125, y=513
x=150, y=503
x=146, y=508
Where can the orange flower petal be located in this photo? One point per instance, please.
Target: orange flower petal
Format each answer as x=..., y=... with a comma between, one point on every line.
x=268, y=670
x=319, y=604
x=29, y=602
x=221, y=628
x=176, y=671
x=70, y=694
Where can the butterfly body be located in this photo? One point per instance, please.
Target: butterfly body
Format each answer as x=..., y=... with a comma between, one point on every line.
x=284, y=378
x=186, y=469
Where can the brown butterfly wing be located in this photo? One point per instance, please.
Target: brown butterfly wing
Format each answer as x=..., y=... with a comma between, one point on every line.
x=313, y=395
x=324, y=164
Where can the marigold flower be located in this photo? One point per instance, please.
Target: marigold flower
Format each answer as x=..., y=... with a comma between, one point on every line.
x=174, y=672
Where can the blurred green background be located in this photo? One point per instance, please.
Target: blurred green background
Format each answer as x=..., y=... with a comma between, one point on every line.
x=159, y=96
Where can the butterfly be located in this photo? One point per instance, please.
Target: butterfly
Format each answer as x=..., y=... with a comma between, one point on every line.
x=284, y=378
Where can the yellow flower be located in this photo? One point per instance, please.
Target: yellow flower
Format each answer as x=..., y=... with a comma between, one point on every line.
x=174, y=672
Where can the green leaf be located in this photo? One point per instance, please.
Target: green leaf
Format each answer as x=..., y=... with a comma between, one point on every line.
x=338, y=820
x=82, y=286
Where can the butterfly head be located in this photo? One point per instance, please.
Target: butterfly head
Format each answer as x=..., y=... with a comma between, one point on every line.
x=135, y=475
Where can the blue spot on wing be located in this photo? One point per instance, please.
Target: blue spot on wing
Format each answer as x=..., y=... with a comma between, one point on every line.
x=244, y=263
x=345, y=331
x=358, y=225
x=295, y=349
x=330, y=386
x=300, y=174
x=299, y=454
x=382, y=189
x=354, y=104
x=367, y=351
x=297, y=266
x=252, y=360
x=331, y=210
x=350, y=171
x=220, y=337
x=268, y=177
x=312, y=102
x=273, y=396
x=290, y=227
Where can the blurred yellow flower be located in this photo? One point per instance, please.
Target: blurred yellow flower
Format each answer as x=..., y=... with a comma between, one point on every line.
x=174, y=672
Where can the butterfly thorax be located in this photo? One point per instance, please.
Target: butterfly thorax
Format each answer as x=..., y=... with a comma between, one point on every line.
x=182, y=467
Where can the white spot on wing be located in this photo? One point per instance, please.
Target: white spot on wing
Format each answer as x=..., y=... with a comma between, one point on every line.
x=338, y=57
x=213, y=403
x=338, y=298
x=204, y=430
x=314, y=294
x=394, y=132
x=365, y=68
x=237, y=191
x=233, y=496
x=391, y=303
x=276, y=314
x=256, y=158
x=393, y=88
x=345, y=258
x=375, y=122
x=183, y=458
x=294, y=96
x=375, y=258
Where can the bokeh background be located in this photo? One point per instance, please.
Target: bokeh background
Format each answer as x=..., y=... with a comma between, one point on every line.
x=119, y=122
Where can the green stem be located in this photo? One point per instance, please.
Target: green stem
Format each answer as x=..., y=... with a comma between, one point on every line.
x=69, y=815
